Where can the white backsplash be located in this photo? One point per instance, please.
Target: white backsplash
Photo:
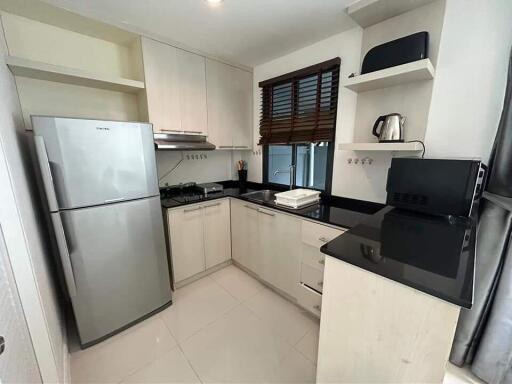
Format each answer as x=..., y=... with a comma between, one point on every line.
x=198, y=166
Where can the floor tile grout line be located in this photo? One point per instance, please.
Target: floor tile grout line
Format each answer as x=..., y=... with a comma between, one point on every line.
x=190, y=364
x=306, y=357
x=157, y=357
x=272, y=330
x=210, y=323
x=147, y=364
x=221, y=286
x=178, y=344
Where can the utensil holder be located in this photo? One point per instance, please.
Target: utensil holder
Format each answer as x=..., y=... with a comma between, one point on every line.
x=242, y=179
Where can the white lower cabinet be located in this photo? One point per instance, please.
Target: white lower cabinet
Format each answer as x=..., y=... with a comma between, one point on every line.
x=217, y=234
x=281, y=249
x=200, y=237
x=311, y=282
x=245, y=235
x=279, y=237
x=267, y=242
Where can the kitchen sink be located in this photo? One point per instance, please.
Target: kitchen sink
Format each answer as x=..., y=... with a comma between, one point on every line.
x=265, y=196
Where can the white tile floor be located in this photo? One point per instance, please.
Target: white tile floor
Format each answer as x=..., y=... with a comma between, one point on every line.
x=224, y=328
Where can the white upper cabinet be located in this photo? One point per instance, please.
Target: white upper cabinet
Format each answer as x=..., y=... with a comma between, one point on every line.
x=175, y=88
x=242, y=109
x=229, y=95
x=162, y=86
x=192, y=80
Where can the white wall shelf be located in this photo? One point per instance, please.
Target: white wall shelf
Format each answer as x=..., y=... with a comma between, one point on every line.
x=389, y=77
x=61, y=74
x=411, y=147
x=369, y=12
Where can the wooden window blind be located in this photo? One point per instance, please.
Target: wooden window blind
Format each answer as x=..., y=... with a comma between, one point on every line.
x=300, y=107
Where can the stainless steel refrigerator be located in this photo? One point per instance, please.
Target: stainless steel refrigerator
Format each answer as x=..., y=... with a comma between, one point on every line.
x=101, y=185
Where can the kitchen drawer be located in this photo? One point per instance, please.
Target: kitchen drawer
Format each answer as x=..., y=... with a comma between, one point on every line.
x=317, y=235
x=309, y=299
x=312, y=277
x=312, y=256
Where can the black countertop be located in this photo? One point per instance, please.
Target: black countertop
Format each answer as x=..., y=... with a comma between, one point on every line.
x=433, y=254
x=333, y=210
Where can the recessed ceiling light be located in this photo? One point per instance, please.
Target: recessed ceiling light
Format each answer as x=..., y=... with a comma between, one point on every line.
x=214, y=2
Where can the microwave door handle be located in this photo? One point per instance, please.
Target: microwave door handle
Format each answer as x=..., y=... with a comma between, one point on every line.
x=65, y=258
x=46, y=173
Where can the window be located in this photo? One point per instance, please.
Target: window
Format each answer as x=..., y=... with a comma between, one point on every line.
x=298, y=125
x=312, y=165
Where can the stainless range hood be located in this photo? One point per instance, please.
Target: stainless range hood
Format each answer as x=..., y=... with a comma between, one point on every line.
x=181, y=142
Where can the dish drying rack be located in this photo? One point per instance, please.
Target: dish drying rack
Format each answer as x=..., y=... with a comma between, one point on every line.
x=297, y=198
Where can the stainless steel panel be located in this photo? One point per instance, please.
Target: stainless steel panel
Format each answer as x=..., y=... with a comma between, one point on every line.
x=120, y=266
x=46, y=173
x=94, y=162
x=182, y=142
x=65, y=259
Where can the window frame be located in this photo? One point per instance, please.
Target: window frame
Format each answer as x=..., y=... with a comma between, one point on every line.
x=329, y=168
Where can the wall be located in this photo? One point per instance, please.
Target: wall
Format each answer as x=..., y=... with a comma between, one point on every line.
x=357, y=112
x=347, y=46
x=33, y=40
x=25, y=236
x=470, y=78
x=217, y=166
x=456, y=114
x=410, y=100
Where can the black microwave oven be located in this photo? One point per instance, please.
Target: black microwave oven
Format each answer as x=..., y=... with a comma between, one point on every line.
x=435, y=186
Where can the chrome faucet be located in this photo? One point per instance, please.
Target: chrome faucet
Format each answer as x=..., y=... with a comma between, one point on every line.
x=291, y=171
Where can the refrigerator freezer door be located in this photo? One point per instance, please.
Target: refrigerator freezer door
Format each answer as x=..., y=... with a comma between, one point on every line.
x=93, y=162
x=119, y=264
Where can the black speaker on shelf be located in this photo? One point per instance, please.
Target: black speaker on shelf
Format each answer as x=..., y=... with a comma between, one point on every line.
x=400, y=51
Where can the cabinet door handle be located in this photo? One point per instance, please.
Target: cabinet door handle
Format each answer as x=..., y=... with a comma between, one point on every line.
x=226, y=146
x=265, y=212
x=192, y=131
x=323, y=239
x=249, y=207
x=212, y=205
x=317, y=307
x=321, y=261
x=192, y=209
x=241, y=146
x=2, y=345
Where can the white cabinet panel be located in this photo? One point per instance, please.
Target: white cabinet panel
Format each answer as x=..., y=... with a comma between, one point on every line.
x=162, y=85
x=309, y=299
x=317, y=235
x=244, y=235
x=312, y=277
x=186, y=238
x=219, y=100
x=200, y=237
x=217, y=234
x=229, y=99
x=242, y=109
x=192, y=92
x=279, y=237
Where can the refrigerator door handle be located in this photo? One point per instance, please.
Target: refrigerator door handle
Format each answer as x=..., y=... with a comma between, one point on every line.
x=46, y=172
x=65, y=257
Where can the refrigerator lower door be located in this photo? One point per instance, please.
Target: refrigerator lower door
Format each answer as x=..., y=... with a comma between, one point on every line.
x=117, y=264
x=94, y=162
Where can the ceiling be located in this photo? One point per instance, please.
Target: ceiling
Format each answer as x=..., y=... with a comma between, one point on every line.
x=247, y=32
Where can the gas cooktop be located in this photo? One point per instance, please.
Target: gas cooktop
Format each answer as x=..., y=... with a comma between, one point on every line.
x=189, y=192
